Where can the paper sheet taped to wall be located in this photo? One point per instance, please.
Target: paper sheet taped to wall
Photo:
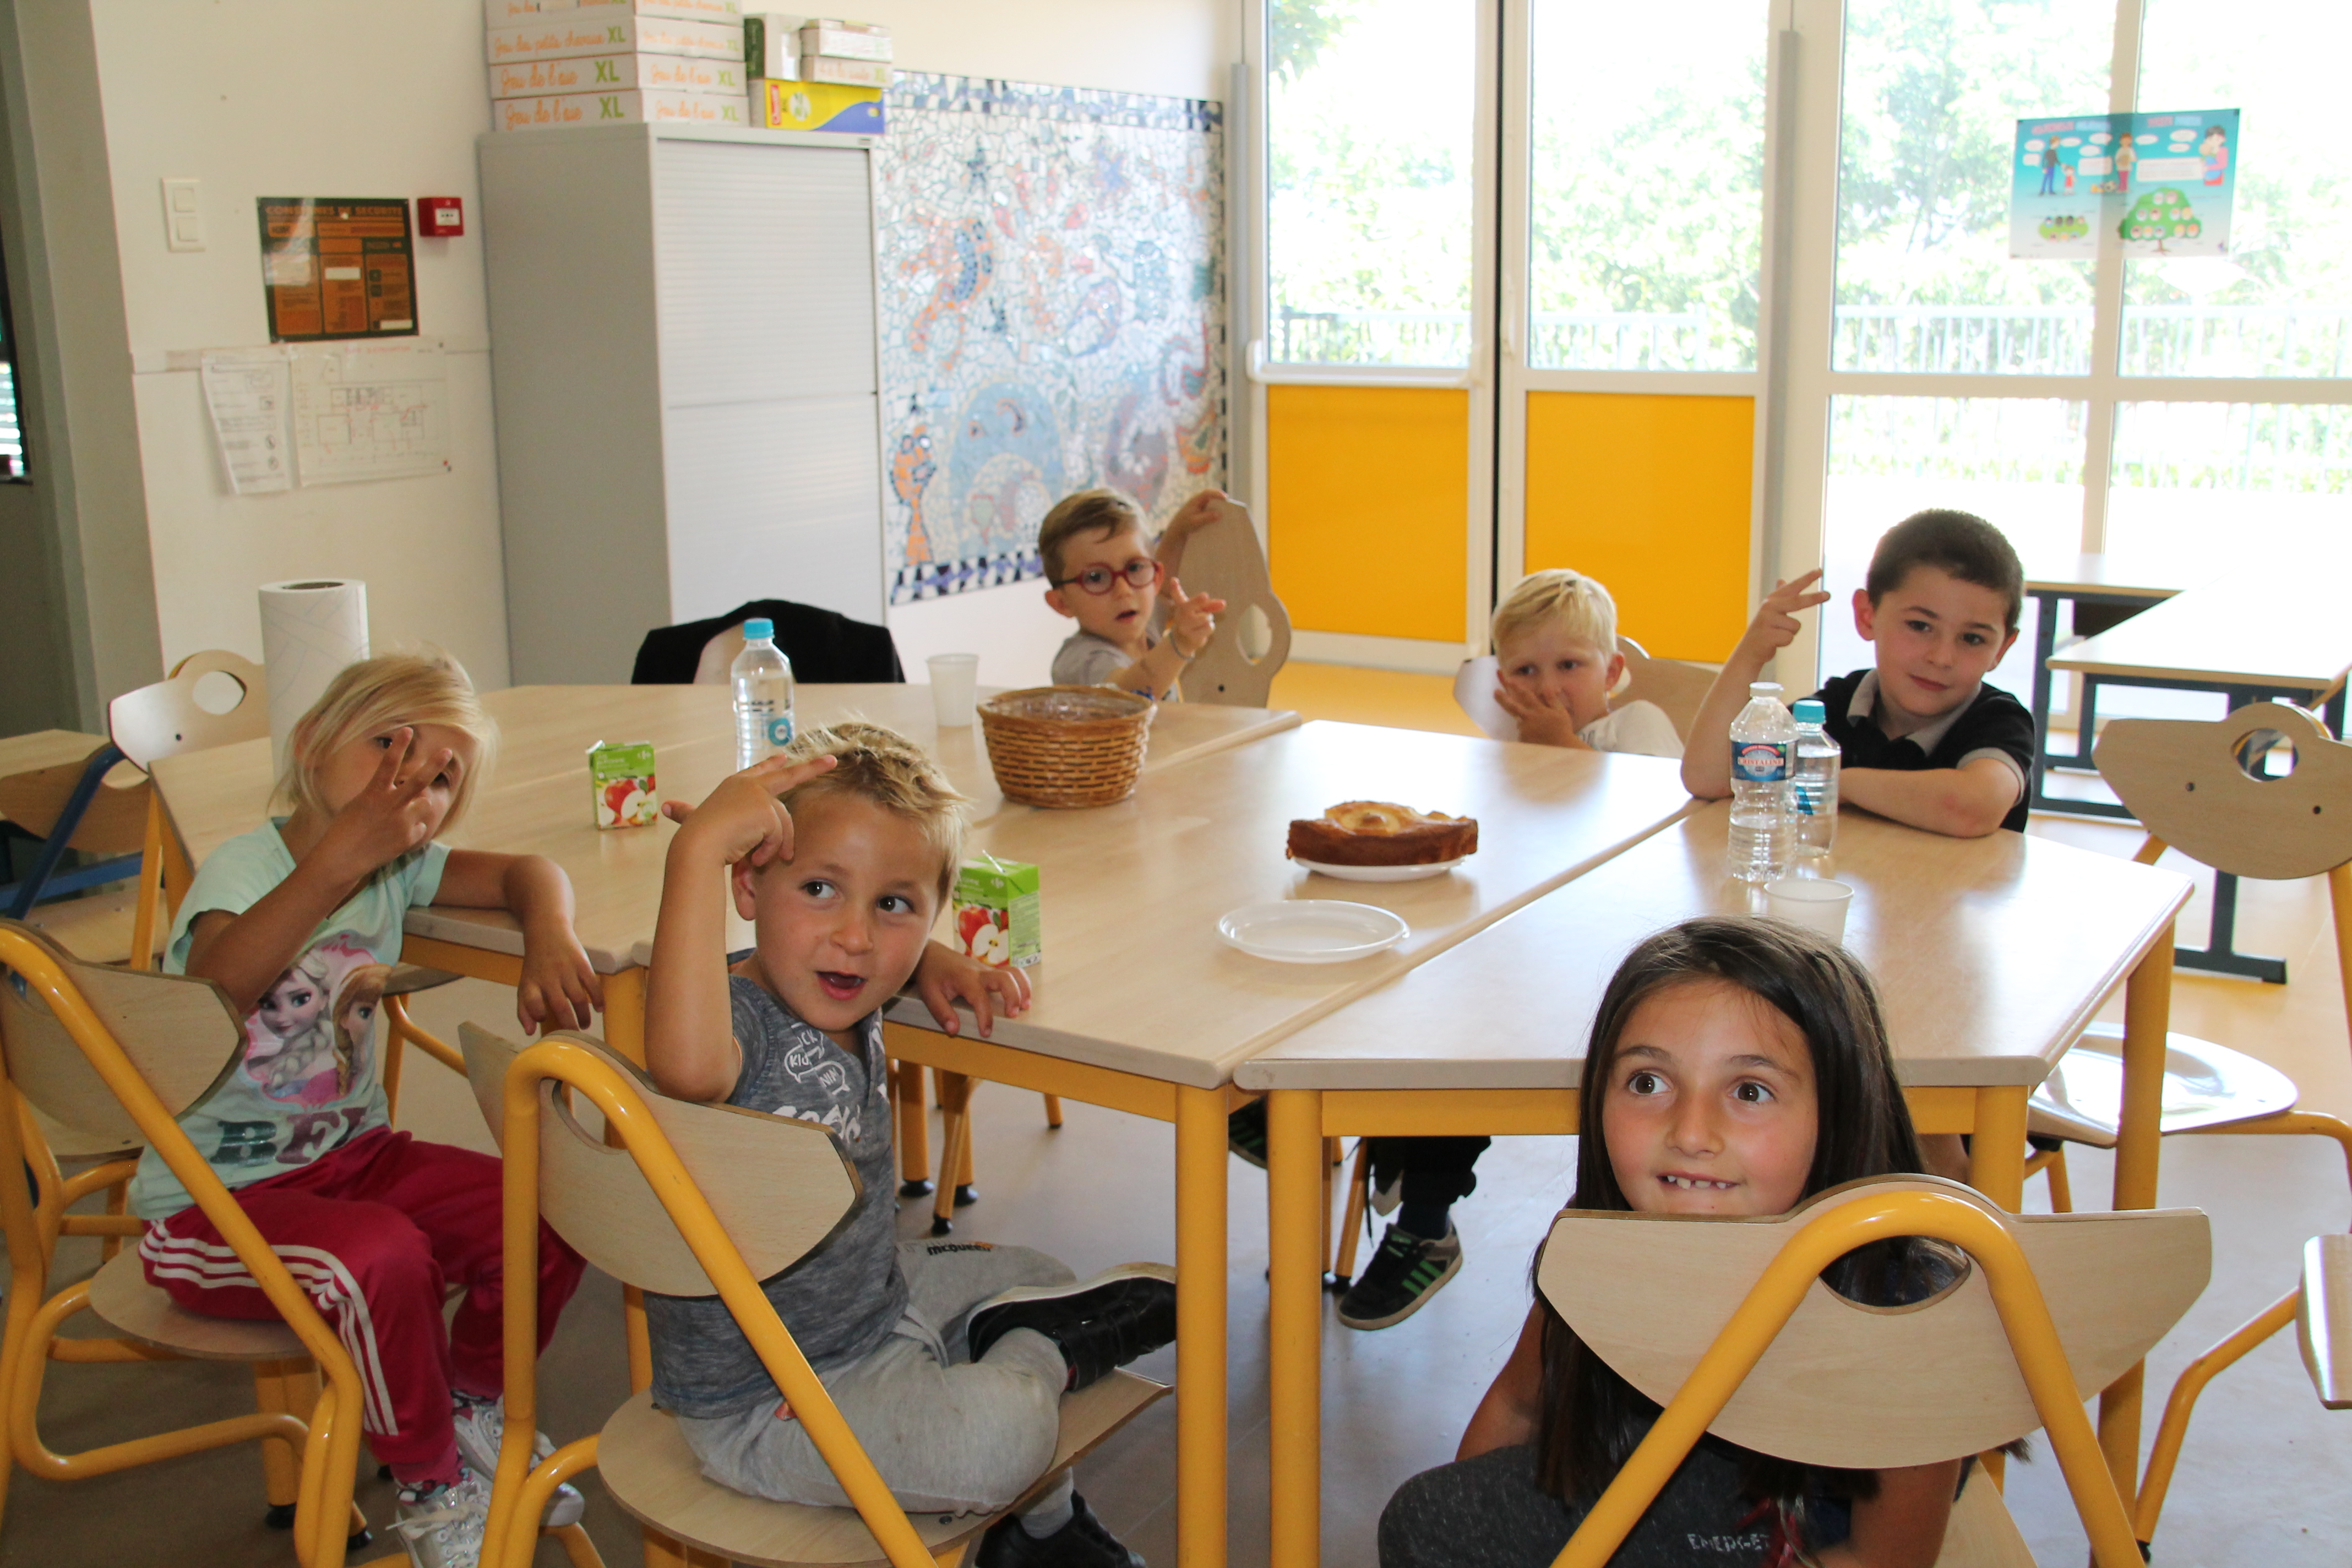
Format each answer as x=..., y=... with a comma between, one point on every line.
x=246, y=390
x=369, y=411
x=326, y=414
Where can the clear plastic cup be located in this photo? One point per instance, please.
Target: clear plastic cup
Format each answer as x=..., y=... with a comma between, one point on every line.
x=955, y=685
x=1816, y=905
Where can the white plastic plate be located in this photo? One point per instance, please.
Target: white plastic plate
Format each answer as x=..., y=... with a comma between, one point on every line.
x=1311, y=931
x=1382, y=873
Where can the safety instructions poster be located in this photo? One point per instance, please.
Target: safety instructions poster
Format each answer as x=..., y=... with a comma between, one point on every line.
x=2161, y=184
x=337, y=267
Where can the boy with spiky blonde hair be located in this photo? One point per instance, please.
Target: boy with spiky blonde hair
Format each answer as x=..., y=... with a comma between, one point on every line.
x=1555, y=644
x=948, y=1359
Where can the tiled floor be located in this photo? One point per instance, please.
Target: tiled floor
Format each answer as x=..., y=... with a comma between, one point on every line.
x=2264, y=1479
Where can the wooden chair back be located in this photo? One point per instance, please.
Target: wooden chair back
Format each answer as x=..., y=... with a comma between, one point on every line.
x=1676, y=685
x=1865, y=1387
x=112, y=824
x=1226, y=561
x=180, y=1034
x=164, y=719
x=2188, y=783
x=780, y=1187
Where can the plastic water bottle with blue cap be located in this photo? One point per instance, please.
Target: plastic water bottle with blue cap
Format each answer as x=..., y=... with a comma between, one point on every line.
x=764, y=695
x=1814, y=789
x=1763, y=742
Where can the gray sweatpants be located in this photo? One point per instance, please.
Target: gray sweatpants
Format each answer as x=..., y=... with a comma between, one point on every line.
x=948, y=1434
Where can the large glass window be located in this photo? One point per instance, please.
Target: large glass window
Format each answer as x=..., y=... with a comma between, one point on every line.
x=2198, y=484
x=1925, y=282
x=2281, y=302
x=1370, y=112
x=12, y=434
x=2017, y=461
x=1645, y=186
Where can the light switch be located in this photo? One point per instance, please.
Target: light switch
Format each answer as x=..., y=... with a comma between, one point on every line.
x=183, y=224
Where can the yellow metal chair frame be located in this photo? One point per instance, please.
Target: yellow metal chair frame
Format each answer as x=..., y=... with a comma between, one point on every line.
x=2147, y=756
x=325, y=1435
x=521, y=1489
x=1774, y=1298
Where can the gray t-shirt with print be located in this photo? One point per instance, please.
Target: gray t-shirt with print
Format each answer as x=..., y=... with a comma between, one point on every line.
x=843, y=1299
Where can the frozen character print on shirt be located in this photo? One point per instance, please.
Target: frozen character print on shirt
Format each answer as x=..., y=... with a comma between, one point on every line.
x=312, y=1034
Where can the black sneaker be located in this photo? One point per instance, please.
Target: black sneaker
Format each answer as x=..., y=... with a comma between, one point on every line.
x=1245, y=1132
x=1101, y=1323
x=1403, y=1274
x=1081, y=1543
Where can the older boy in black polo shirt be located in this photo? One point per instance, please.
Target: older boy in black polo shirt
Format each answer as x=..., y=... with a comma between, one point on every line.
x=1926, y=741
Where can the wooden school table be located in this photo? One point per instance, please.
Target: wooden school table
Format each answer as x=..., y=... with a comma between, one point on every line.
x=538, y=802
x=1991, y=955
x=2252, y=641
x=1138, y=1005
x=2103, y=592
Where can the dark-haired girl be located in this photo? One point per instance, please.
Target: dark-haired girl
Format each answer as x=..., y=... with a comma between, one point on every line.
x=1737, y=1068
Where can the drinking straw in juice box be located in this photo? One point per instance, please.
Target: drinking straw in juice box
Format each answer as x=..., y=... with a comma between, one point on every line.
x=996, y=912
x=622, y=779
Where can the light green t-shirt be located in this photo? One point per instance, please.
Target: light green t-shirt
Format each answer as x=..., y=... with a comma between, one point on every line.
x=311, y=1081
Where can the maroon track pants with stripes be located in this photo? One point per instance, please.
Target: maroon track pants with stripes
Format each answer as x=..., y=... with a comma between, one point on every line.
x=375, y=1232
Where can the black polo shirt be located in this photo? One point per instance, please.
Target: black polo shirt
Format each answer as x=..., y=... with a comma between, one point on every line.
x=1991, y=724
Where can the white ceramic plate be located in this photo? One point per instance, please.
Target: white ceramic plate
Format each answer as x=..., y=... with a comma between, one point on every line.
x=1311, y=931
x=1382, y=873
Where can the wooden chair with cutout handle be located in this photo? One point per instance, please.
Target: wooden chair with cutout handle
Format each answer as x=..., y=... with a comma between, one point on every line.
x=2203, y=787
x=1226, y=561
x=696, y=1200
x=1727, y=1325
x=94, y=805
x=113, y=1054
x=166, y=720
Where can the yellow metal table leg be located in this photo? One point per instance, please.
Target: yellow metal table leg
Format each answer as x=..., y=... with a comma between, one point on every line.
x=1296, y=1214
x=1200, y=1327
x=1997, y=1147
x=2148, y=1015
x=625, y=1014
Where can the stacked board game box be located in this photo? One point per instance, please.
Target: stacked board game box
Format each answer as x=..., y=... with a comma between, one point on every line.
x=816, y=73
x=588, y=62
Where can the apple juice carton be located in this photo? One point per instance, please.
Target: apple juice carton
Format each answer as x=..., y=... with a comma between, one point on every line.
x=996, y=912
x=622, y=779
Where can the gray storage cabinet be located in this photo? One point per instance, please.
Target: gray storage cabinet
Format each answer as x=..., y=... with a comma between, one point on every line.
x=682, y=359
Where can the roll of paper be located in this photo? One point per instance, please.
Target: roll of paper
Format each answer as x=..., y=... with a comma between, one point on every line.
x=310, y=630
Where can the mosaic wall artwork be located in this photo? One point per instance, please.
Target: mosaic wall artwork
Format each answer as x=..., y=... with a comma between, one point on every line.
x=1053, y=315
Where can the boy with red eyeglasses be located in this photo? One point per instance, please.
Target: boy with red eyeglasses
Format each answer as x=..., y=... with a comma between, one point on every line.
x=1137, y=630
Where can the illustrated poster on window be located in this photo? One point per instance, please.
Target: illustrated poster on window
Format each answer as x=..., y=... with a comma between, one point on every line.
x=1052, y=315
x=2162, y=183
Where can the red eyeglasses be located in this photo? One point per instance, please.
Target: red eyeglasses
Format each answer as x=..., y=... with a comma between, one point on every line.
x=1141, y=573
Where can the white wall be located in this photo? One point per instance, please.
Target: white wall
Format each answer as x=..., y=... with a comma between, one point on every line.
x=365, y=97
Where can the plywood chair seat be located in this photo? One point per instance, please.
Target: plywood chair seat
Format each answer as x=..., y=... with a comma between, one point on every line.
x=119, y=1293
x=654, y=1475
x=1731, y=1329
x=2323, y=1317
x=2205, y=1085
x=408, y=978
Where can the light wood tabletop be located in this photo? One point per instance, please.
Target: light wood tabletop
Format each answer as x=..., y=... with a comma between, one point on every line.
x=1991, y=955
x=2098, y=573
x=39, y=749
x=2287, y=632
x=538, y=798
x=1136, y=977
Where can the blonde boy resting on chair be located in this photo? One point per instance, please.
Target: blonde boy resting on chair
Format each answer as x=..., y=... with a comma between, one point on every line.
x=1137, y=630
x=1557, y=659
x=949, y=1359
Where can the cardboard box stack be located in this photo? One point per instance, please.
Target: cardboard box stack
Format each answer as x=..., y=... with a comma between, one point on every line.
x=816, y=73
x=590, y=62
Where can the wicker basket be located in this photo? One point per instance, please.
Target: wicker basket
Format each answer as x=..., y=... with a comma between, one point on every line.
x=1066, y=746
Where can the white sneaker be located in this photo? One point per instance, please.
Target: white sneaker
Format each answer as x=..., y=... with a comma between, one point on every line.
x=444, y=1529
x=482, y=1427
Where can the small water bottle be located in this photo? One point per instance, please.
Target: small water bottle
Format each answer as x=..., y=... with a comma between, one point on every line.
x=1763, y=739
x=763, y=696
x=1813, y=787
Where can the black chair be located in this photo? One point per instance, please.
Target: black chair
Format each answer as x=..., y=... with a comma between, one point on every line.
x=824, y=646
